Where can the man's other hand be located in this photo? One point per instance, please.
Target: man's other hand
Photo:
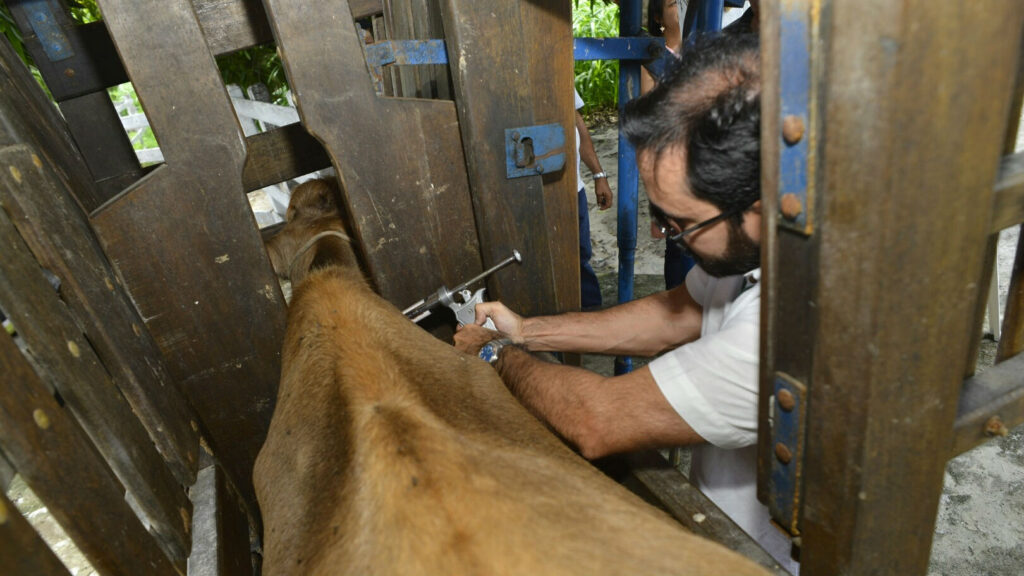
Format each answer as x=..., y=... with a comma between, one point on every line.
x=603, y=192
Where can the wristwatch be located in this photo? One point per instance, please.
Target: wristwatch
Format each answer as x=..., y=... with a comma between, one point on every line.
x=490, y=351
x=601, y=174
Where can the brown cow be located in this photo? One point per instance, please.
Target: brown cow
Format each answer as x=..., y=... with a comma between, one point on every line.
x=390, y=452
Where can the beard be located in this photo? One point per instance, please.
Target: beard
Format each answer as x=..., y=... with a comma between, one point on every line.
x=741, y=255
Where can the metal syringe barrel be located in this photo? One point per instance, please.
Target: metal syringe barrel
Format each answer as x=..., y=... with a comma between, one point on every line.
x=444, y=295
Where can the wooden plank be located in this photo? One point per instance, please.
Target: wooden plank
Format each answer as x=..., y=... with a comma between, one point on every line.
x=96, y=128
x=1011, y=344
x=72, y=368
x=220, y=530
x=185, y=241
x=998, y=392
x=400, y=161
x=59, y=236
x=1008, y=198
x=22, y=551
x=63, y=468
x=661, y=484
x=93, y=65
x=418, y=20
x=30, y=117
x=62, y=239
x=282, y=154
x=895, y=290
x=511, y=66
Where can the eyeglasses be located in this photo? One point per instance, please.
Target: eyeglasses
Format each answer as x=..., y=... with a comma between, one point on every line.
x=665, y=225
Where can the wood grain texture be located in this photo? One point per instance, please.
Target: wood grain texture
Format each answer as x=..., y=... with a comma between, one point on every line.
x=22, y=551
x=184, y=238
x=505, y=77
x=905, y=214
x=70, y=365
x=63, y=468
x=399, y=161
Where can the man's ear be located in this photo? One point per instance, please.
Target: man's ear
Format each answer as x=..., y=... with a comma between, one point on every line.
x=756, y=207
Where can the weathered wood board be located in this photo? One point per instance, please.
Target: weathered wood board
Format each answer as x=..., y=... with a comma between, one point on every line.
x=184, y=238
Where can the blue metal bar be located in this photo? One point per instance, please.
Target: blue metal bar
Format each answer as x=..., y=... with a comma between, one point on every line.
x=630, y=16
x=420, y=52
x=617, y=48
x=709, y=17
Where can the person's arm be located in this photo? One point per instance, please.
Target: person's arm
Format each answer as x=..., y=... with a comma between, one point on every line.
x=602, y=190
x=599, y=415
x=647, y=82
x=642, y=327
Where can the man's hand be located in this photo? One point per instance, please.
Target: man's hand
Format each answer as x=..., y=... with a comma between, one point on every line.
x=603, y=192
x=506, y=321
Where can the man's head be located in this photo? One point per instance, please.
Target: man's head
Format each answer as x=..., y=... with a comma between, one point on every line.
x=697, y=136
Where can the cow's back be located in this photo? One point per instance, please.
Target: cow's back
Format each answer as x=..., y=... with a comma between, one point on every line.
x=391, y=452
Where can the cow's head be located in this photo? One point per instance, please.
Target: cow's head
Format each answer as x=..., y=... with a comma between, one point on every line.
x=314, y=236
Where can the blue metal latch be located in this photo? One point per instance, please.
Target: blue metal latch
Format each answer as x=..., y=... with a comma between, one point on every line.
x=533, y=150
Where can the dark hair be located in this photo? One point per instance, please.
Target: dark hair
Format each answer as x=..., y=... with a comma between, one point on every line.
x=655, y=8
x=709, y=103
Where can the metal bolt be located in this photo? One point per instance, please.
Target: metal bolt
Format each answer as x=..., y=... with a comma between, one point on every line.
x=786, y=400
x=782, y=453
x=515, y=136
x=539, y=169
x=792, y=129
x=42, y=420
x=791, y=206
x=995, y=427
x=69, y=72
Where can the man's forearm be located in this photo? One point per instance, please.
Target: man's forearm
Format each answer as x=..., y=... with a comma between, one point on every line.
x=643, y=327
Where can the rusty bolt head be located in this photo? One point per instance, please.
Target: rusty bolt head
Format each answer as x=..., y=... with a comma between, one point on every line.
x=995, y=427
x=786, y=400
x=792, y=129
x=782, y=453
x=790, y=206
x=69, y=72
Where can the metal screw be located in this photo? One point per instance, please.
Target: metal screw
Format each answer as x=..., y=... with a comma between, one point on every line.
x=791, y=206
x=69, y=72
x=515, y=136
x=995, y=427
x=786, y=400
x=539, y=169
x=792, y=129
x=42, y=420
x=782, y=453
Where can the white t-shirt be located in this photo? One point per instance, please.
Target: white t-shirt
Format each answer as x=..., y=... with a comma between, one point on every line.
x=579, y=175
x=712, y=383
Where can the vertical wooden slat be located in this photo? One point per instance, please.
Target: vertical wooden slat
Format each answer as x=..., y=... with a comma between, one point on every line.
x=184, y=238
x=59, y=235
x=91, y=117
x=71, y=366
x=399, y=160
x=903, y=210
x=511, y=66
x=22, y=551
x=418, y=20
x=63, y=468
x=220, y=529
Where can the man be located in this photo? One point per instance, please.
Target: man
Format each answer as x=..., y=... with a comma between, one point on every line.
x=590, y=290
x=697, y=136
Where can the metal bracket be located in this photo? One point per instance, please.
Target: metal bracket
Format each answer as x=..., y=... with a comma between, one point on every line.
x=533, y=150
x=796, y=179
x=47, y=28
x=789, y=410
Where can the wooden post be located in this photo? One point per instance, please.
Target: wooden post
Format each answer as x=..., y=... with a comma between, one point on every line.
x=871, y=310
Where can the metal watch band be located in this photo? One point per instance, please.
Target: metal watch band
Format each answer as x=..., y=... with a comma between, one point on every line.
x=601, y=174
x=489, y=352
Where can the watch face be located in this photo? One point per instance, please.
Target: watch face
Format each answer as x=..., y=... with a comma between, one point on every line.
x=488, y=353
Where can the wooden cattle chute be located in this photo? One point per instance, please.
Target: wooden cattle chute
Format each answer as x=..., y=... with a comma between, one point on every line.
x=166, y=329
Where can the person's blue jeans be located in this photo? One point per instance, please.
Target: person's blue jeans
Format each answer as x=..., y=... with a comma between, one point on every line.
x=590, y=290
x=677, y=264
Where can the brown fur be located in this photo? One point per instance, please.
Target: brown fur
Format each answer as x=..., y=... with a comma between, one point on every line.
x=392, y=453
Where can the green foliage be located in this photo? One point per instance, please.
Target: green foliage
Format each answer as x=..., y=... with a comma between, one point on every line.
x=596, y=80
x=126, y=90
x=84, y=11
x=256, y=65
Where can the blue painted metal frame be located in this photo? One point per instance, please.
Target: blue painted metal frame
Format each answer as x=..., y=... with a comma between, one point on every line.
x=544, y=153
x=795, y=94
x=787, y=431
x=44, y=24
x=422, y=52
x=640, y=48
